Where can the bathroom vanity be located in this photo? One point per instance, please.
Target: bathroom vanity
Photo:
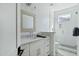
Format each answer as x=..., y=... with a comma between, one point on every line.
x=35, y=47
x=30, y=45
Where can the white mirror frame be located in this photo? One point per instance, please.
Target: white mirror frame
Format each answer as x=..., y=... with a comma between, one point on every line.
x=27, y=29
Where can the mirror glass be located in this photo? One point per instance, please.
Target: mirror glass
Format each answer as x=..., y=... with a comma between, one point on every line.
x=27, y=22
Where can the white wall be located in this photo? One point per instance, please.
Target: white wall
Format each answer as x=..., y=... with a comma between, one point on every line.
x=41, y=13
x=60, y=6
x=77, y=38
x=7, y=29
x=45, y=15
x=42, y=17
x=57, y=7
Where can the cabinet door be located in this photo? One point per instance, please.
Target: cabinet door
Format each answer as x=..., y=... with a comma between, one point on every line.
x=45, y=47
x=26, y=50
x=42, y=47
x=39, y=48
x=35, y=48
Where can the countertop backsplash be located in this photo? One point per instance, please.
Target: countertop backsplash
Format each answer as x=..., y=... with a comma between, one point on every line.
x=28, y=35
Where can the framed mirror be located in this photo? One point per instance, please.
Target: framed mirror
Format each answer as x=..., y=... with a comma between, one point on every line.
x=27, y=22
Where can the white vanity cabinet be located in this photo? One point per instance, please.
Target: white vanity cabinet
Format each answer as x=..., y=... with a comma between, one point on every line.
x=26, y=49
x=39, y=47
x=35, y=49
